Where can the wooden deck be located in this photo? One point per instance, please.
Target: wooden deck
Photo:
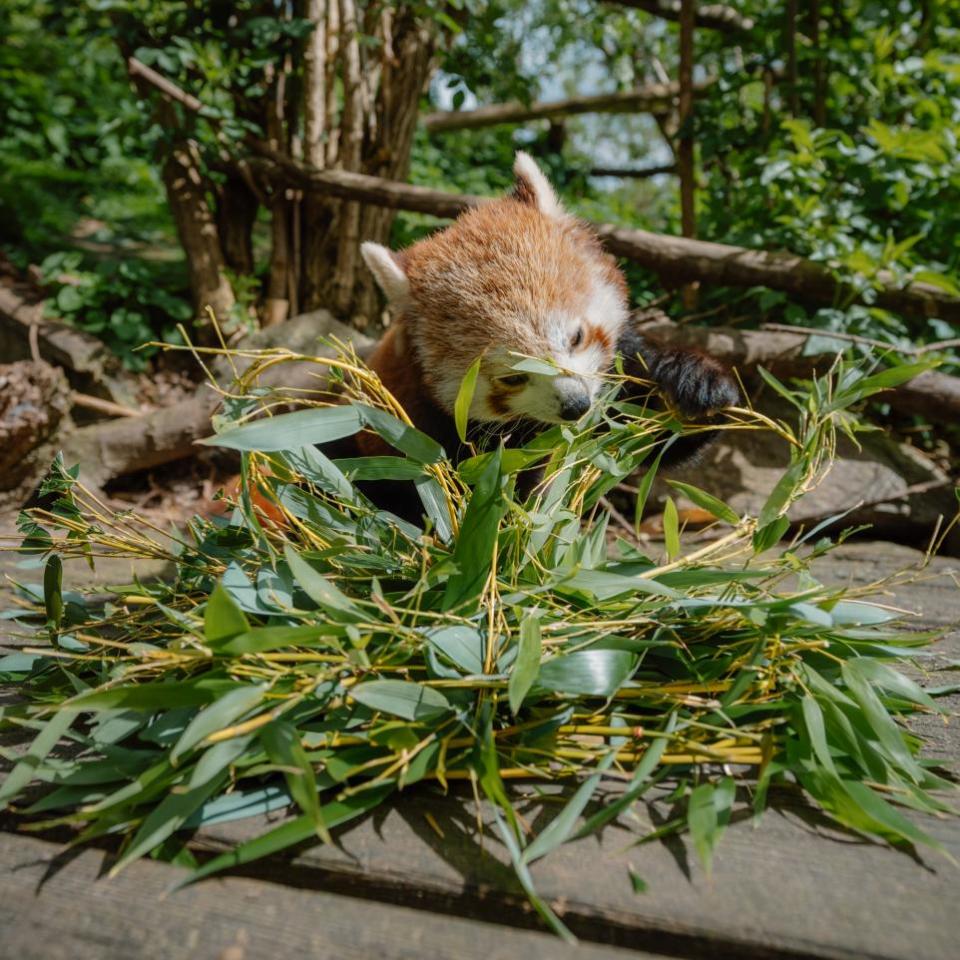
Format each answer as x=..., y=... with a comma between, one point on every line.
x=393, y=887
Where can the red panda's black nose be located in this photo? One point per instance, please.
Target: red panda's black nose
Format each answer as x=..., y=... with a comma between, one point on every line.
x=574, y=406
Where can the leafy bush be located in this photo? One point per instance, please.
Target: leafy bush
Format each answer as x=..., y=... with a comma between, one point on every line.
x=120, y=302
x=314, y=650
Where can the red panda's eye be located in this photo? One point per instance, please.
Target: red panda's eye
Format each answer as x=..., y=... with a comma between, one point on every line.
x=514, y=379
x=576, y=339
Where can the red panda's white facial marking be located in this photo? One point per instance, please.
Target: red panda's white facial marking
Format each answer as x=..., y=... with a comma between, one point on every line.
x=514, y=276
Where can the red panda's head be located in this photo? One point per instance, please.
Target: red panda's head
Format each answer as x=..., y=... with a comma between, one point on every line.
x=512, y=278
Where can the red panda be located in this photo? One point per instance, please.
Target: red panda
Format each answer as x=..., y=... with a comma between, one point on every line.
x=519, y=276
x=515, y=277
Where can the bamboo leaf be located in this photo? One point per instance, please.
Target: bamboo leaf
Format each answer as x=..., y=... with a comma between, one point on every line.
x=288, y=834
x=223, y=618
x=218, y=715
x=291, y=431
x=671, y=529
x=321, y=590
x=25, y=770
x=527, y=664
x=53, y=590
x=707, y=502
x=461, y=408
x=591, y=673
x=410, y=701
x=282, y=743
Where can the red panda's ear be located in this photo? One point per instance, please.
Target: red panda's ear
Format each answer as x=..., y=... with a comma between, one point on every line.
x=386, y=268
x=533, y=187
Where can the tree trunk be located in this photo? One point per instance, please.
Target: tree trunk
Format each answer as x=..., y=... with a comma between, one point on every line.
x=686, y=144
x=381, y=90
x=237, y=207
x=197, y=229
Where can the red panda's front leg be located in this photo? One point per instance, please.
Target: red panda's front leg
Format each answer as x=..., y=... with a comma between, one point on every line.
x=696, y=384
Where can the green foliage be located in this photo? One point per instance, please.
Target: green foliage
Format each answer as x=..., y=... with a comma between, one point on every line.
x=336, y=655
x=119, y=302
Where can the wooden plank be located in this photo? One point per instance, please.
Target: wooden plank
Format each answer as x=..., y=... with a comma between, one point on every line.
x=789, y=887
x=64, y=910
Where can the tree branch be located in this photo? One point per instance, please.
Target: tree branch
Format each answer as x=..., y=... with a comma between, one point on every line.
x=638, y=173
x=678, y=258
x=654, y=98
x=710, y=16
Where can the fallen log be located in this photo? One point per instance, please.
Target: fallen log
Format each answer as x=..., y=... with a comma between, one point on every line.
x=90, y=365
x=127, y=445
x=932, y=394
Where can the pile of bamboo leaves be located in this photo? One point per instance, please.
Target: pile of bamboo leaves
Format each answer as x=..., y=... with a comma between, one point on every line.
x=316, y=653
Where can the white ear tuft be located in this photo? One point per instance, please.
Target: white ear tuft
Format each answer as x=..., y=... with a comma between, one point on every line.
x=385, y=266
x=533, y=187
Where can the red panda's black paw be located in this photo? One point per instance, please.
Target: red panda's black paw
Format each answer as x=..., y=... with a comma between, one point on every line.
x=702, y=389
x=696, y=384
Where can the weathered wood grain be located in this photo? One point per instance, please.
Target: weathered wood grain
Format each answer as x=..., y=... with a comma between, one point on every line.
x=65, y=910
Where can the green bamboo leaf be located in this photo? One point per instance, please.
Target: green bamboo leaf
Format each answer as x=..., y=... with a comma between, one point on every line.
x=527, y=665
x=706, y=502
x=53, y=590
x=473, y=554
x=410, y=701
x=288, y=834
x=380, y=468
x=217, y=716
x=414, y=443
x=882, y=724
x=885, y=677
x=461, y=408
x=765, y=537
x=781, y=495
x=890, y=378
x=214, y=760
x=26, y=768
x=166, y=818
x=282, y=743
x=460, y=644
x=265, y=639
x=671, y=529
x=223, y=618
x=151, y=696
x=321, y=590
x=708, y=812
x=435, y=503
x=562, y=826
x=588, y=673
x=643, y=488
x=291, y=431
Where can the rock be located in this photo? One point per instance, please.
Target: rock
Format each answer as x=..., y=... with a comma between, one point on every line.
x=901, y=493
